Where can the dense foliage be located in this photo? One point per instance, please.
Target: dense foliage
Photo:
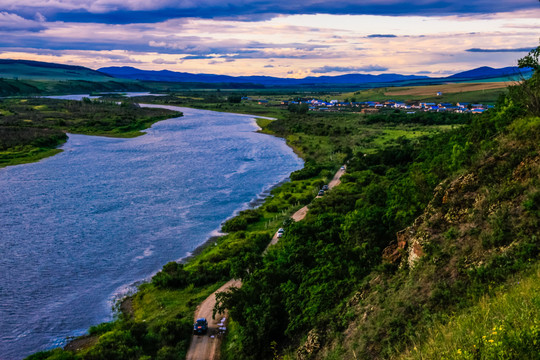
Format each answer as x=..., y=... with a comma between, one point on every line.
x=305, y=282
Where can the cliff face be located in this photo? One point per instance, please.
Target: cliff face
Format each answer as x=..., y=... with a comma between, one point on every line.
x=480, y=228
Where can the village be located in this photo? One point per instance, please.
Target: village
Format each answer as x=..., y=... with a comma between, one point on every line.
x=368, y=107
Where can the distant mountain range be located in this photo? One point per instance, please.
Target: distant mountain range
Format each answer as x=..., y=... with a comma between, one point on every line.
x=486, y=72
x=126, y=72
x=35, y=70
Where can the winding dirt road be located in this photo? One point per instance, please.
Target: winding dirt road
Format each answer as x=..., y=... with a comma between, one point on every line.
x=206, y=347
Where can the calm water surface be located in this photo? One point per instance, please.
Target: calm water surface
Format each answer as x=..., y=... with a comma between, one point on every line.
x=77, y=230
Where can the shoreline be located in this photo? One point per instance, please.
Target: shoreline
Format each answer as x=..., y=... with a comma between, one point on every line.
x=122, y=304
x=253, y=204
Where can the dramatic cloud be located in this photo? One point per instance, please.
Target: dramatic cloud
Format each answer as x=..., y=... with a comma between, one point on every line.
x=526, y=49
x=215, y=36
x=139, y=11
x=348, y=69
x=13, y=22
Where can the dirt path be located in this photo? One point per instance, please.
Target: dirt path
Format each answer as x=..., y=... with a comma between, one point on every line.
x=206, y=347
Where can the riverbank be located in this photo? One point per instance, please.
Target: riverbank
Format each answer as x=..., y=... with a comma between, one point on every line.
x=33, y=129
x=245, y=128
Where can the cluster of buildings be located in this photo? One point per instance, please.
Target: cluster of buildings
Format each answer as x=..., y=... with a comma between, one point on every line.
x=375, y=106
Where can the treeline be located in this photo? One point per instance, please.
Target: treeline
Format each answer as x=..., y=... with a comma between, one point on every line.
x=305, y=283
x=13, y=136
x=424, y=118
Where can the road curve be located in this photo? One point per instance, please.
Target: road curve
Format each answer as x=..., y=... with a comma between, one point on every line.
x=206, y=347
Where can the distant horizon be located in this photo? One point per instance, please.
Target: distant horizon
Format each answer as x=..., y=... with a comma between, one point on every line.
x=273, y=38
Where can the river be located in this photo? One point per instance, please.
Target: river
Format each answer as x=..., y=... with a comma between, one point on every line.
x=79, y=229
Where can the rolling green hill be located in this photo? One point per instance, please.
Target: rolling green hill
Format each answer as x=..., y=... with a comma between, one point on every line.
x=35, y=70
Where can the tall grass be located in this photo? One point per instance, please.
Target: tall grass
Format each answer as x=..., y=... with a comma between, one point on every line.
x=503, y=326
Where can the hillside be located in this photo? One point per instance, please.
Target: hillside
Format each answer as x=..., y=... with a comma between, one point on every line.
x=414, y=238
x=36, y=70
x=486, y=72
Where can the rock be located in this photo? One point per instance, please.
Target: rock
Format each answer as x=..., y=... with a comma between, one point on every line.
x=310, y=347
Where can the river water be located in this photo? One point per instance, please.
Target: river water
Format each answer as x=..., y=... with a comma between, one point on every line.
x=77, y=230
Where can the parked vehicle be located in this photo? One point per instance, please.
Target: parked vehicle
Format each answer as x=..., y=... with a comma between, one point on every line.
x=325, y=187
x=200, y=327
x=321, y=193
x=281, y=231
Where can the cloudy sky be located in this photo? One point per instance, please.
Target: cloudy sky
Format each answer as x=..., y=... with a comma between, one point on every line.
x=285, y=38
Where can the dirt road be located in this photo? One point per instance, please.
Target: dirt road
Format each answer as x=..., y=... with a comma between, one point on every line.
x=206, y=347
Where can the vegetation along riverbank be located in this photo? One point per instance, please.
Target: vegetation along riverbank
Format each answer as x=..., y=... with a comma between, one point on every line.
x=31, y=129
x=434, y=226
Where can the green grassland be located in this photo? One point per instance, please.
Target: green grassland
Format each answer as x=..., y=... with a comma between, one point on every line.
x=29, y=71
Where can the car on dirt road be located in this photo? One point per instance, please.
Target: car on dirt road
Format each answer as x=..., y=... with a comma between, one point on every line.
x=200, y=327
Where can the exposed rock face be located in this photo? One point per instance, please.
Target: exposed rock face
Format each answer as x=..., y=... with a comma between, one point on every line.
x=310, y=347
x=450, y=205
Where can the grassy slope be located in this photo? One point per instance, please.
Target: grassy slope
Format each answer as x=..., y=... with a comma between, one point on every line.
x=480, y=228
x=32, y=72
x=498, y=326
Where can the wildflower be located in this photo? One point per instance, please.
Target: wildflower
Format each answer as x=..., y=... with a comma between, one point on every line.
x=459, y=351
x=484, y=337
x=494, y=333
x=415, y=349
x=490, y=340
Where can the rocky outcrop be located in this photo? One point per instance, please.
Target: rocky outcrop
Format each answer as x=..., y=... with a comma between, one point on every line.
x=451, y=204
x=311, y=346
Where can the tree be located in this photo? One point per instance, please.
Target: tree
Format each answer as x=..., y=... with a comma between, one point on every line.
x=529, y=90
x=530, y=60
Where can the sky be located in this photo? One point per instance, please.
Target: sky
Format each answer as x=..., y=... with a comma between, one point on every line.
x=283, y=38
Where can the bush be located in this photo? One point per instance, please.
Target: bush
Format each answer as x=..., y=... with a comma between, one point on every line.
x=173, y=275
